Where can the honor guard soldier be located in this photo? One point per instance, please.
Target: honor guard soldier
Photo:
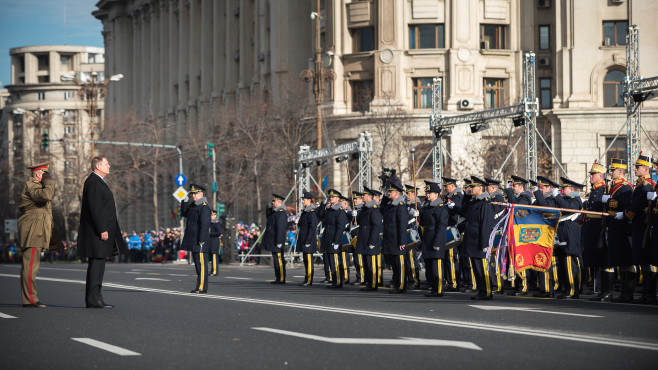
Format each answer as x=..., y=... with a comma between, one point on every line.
x=637, y=214
x=412, y=272
x=394, y=214
x=346, y=241
x=568, y=234
x=334, y=222
x=479, y=217
x=453, y=201
x=545, y=193
x=196, y=238
x=215, y=234
x=357, y=259
x=368, y=242
x=592, y=232
x=307, y=235
x=433, y=223
x=517, y=194
x=274, y=238
x=651, y=237
x=35, y=227
x=620, y=252
x=496, y=195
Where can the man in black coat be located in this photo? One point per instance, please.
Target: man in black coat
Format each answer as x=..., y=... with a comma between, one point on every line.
x=214, y=234
x=453, y=200
x=334, y=222
x=516, y=193
x=594, y=252
x=412, y=272
x=274, y=238
x=568, y=234
x=307, y=239
x=196, y=238
x=99, y=235
x=433, y=222
x=394, y=213
x=368, y=241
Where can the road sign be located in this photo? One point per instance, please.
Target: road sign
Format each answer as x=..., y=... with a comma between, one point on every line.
x=180, y=193
x=11, y=225
x=180, y=179
x=221, y=208
x=214, y=187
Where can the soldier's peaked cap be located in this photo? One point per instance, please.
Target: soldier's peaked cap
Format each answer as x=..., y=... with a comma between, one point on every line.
x=432, y=187
x=40, y=167
x=566, y=182
x=618, y=163
x=409, y=188
x=543, y=181
x=449, y=180
x=277, y=196
x=519, y=180
x=307, y=195
x=476, y=181
x=643, y=160
x=334, y=193
x=196, y=188
x=491, y=181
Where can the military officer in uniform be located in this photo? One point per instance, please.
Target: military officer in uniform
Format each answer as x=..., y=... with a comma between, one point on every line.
x=620, y=252
x=274, y=239
x=214, y=235
x=394, y=214
x=637, y=214
x=516, y=193
x=453, y=201
x=35, y=227
x=652, y=237
x=357, y=259
x=368, y=242
x=307, y=235
x=594, y=254
x=568, y=233
x=433, y=223
x=334, y=222
x=412, y=272
x=496, y=195
x=545, y=192
x=196, y=238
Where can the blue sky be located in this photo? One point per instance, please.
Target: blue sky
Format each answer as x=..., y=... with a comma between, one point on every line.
x=45, y=22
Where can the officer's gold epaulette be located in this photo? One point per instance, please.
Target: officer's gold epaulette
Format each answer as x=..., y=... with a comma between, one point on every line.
x=375, y=206
x=204, y=203
x=312, y=210
x=280, y=210
x=455, y=193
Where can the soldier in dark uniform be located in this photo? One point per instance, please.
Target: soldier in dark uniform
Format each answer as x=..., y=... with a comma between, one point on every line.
x=468, y=280
x=496, y=195
x=412, y=272
x=368, y=242
x=620, y=252
x=196, y=238
x=322, y=207
x=516, y=193
x=346, y=248
x=274, y=238
x=594, y=254
x=434, y=222
x=357, y=259
x=214, y=234
x=479, y=217
x=453, y=201
x=394, y=214
x=652, y=238
x=334, y=222
x=637, y=213
x=307, y=235
x=545, y=193
x=568, y=233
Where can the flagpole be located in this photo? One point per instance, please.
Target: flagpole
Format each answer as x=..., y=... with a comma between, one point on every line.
x=555, y=209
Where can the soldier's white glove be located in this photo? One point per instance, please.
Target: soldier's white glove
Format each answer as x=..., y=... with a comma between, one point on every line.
x=605, y=198
x=335, y=246
x=307, y=245
x=416, y=213
x=509, y=185
x=651, y=195
x=187, y=197
x=554, y=192
x=279, y=245
x=534, y=189
x=450, y=204
x=371, y=246
x=619, y=216
x=437, y=248
x=354, y=213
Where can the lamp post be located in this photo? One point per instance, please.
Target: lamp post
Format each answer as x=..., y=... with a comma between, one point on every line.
x=91, y=91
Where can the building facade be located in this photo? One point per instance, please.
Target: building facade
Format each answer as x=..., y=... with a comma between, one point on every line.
x=44, y=102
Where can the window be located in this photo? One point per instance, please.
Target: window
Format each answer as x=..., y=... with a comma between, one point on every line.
x=43, y=62
x=362, y=94
x=69, y=130
x=44, y=114
x=422, y=92
x=618, y=148
x=544, y=37
x=545, y=93
x=612, y=89
x=363, y=39
x=69, y=115
x=41, y=95
x=21, y=64
x=17, y=96
x=426, y=36
x=614, y=33
x=43, y=79
x=68, y=95
x=493, y=36
x=494, y=91
x=18, y=119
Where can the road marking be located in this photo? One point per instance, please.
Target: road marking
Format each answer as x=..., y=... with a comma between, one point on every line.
x=529, y=309
x=516, y=330
x=107, y=347
x=157, y=279
x=401, y=341
x=237, y=278
x=299, y=276
x=5, y=316
x=177, y=275
x=131, y=272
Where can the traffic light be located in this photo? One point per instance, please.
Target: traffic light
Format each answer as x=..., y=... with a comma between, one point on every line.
x=209, y=147
x=44, y=140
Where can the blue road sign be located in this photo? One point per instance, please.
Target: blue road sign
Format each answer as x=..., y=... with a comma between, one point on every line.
x=180, y=179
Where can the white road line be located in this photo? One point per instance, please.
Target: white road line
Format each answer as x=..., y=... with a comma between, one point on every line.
x=107, y=347
x=5, y=316
x=402, y=341
x=529, y=309
x=132, y=272
x=299, y=276
x=515, y=330
x=158, y=279
x=237, y=278
x=177, y=275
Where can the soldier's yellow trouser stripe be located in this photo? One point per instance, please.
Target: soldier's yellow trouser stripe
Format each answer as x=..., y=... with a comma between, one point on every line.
x=282, y=278
x=547, y=277
x=337, y=268
x=439, y=280
x=524, y=281
x=413, y=266
x=345, y=270
x=360, y=259
x=402, y=275
x=202, y=264
x=580, y=279
x=451, y=262
x=375, y=271
x=309, y=269
x=499, y=281
x=379, y=268
x=487, y=280
x=474, y=281
x=570, y=275
x=214, y=264
x=556, y=280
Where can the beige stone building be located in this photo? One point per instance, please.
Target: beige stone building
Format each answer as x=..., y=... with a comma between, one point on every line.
x=182, y=58
x=43, y=98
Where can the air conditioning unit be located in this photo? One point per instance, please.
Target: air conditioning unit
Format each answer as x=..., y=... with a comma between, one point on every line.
x=544, y=3
x=545, y=62
x=466, y=104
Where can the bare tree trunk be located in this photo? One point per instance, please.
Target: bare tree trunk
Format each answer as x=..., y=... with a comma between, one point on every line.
x=155, y=192
x=257, y=183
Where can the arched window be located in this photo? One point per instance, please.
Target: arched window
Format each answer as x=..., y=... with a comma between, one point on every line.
x=612, y=89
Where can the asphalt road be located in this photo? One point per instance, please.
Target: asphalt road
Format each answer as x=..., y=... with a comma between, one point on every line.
x=245, y=322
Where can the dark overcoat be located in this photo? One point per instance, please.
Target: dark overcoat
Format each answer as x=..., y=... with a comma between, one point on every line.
x=307, y=227
x=197, y=226
x=433, y=223
x=568, y=230
x=478, y=224
x=334, y=222
x=395, y=216
x=214, y=233
x=620, y=252
x=274, y=239
x=370, y=228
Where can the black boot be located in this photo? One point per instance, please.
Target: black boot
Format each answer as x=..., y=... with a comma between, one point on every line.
x=602, y=293
x=627, y=288
x=649, y=291
x=608, y=286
